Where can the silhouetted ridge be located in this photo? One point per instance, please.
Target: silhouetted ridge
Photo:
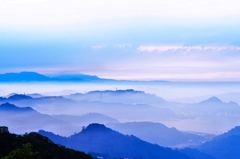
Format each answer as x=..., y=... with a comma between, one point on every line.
x=99, y=139
x=94, y=127
x=11, y=107
x=51, y=135
x=23, y=76
x=233, y=131
x=224, y=146
x=8, y=106
x=128, y=96
x=19, y=97
x=26, y=119
x=34, y=146
x=117, y=91
x=36, y=77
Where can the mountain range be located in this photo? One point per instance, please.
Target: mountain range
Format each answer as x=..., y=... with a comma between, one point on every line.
x=200, y=117
x=103, y=140
x=213, y=106
x=99, y=139
x=128, y=96
x=36, y=77
x=26, y=119
x=65, y=105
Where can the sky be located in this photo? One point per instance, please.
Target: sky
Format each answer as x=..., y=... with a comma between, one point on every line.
x=187, y=40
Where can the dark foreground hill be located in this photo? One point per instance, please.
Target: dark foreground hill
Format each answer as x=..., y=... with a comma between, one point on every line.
x=35, y=146
x=99, y=139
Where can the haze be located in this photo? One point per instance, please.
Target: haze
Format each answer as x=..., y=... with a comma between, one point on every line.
x=123, y=79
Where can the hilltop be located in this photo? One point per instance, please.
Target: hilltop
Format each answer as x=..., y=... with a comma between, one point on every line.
x=34, y=145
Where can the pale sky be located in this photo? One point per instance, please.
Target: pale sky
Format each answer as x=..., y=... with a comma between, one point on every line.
x=187, y=40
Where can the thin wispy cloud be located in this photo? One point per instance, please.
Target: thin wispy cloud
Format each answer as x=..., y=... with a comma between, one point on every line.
x=163, y=48
x=220, y=76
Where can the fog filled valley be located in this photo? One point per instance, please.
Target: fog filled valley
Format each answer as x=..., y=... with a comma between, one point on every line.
x=147, y=120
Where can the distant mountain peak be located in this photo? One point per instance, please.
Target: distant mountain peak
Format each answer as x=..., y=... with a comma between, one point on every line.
x=11, y=107
x=26, y=73
x=212, y=100
x=95, y=127
x=8, y=105
x=233, y=103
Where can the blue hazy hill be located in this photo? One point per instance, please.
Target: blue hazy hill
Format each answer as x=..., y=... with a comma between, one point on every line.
x=26, y=100
x=26, y=119
x=157, y=133
x=21, y=119
x=36, y=77
x=128, y=96
x=7, y=107
x=212, y=106
x=224, y=146
x=129, y=109
x=19, y=97
x=23, y=77
x=99, y=139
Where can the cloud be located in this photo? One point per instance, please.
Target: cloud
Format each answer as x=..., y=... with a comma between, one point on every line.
x=163, y=48
x=98, y=46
